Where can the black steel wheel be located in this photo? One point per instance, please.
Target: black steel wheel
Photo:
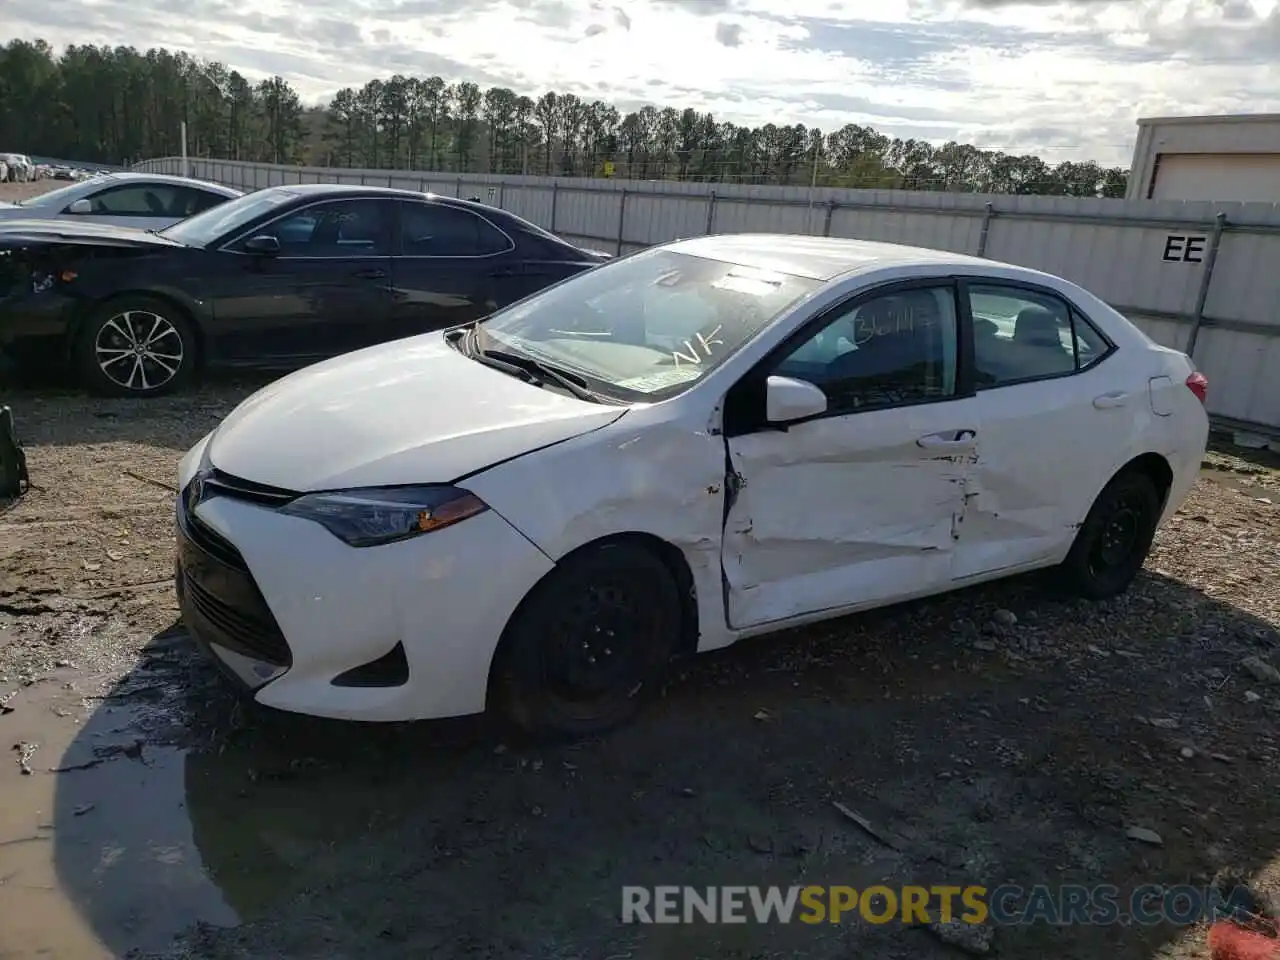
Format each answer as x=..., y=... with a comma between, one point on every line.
x=589, y=644
x=136, y=347
x=1115, y=538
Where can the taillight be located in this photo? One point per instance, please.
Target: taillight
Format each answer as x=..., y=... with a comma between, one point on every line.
x=1198, y=384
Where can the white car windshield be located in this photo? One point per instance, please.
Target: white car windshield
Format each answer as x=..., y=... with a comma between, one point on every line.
x=203, y=228
x=65, y=195
x=649, y=326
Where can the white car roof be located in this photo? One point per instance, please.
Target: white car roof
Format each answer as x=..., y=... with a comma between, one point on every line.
x=819, y=258
x=126, y=175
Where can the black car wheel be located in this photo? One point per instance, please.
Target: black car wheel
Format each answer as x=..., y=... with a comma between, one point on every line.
x=589, y=644
x=136, y=347
x=1112, y=543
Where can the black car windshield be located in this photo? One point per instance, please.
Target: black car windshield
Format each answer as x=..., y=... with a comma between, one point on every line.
x=649, y=326
x=203, y=228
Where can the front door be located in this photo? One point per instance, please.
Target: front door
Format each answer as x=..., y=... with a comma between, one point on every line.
x=142, y=206
x=1054, y=426
x=861, y=505
x=327, y=292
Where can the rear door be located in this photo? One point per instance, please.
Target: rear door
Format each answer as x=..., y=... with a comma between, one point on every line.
x=1054, y=420
x=450, y=266
x=328, y=291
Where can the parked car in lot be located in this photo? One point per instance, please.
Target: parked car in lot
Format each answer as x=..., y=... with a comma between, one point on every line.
x=714, y=438
x=19, y=168
x=276, y=278
x=145, y=201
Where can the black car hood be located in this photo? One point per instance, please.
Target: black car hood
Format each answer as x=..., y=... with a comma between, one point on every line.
x=21, y=233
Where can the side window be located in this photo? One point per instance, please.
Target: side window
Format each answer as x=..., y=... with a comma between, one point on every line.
x=1020, y=334
x=193, y=201
x=136, y=200
x=895, y=349
x=341, y=228
x=1091, y=346
x=434, y=230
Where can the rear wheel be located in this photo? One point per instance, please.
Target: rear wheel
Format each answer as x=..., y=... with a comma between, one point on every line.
x=1115, y=538
x=589, y=644
x=136, y=347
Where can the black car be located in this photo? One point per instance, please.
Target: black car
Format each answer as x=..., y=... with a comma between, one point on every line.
x=277, y=278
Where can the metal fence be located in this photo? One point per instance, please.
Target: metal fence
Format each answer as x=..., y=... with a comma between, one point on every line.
x=1203, y=277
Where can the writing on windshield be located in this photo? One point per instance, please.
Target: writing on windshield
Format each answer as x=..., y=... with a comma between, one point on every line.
x=699, y=348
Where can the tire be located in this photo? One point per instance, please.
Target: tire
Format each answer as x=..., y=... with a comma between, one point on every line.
x=104, y=353
x=567, y=641
x=1115, y=538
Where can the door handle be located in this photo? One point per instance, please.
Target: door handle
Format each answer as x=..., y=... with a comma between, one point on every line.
x=373, y=273
x=950, y=439
x=1116, y=398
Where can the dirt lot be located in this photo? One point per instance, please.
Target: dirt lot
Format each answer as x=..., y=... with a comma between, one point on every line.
x=10, y=192
x=999, y=735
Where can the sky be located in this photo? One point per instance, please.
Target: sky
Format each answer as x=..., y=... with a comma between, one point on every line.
x=1063, y=80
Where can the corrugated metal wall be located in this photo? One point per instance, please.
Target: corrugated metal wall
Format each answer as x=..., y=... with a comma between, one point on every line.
x=1198, y=276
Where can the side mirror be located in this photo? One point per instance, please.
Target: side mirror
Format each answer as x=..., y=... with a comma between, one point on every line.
x=788, y=399
x=81, y=206
x=263, y=246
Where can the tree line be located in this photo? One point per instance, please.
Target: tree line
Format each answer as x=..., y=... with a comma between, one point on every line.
x=118, y=105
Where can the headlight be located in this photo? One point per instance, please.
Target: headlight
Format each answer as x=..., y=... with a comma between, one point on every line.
x=376, y=515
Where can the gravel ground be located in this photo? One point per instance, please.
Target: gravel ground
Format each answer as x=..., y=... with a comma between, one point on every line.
x=1002, y=750
x=997, y=734
x=9, y=192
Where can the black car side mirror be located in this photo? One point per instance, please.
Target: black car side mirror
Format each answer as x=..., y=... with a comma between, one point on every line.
x=263, y=246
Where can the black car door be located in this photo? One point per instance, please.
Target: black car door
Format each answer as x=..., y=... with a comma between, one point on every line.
x=450, y=266
x=325, y=292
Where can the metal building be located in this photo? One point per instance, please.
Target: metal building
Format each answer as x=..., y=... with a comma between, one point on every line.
x=1223, y=159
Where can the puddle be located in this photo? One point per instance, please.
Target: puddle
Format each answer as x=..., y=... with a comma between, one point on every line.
x=1240, y=483
x=99, y=860
x=120, y=839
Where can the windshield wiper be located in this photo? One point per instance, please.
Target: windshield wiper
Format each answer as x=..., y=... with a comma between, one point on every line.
x=532, y=369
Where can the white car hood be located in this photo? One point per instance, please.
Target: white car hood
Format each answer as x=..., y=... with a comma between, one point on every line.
x=409, y=411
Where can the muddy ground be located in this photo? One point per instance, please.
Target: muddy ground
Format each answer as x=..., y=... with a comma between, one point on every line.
x=999, y=734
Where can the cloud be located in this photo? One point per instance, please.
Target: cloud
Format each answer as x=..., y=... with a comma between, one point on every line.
x=984, y=71
x=729, y=34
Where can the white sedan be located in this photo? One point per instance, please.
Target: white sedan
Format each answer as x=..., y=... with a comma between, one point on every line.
x=147, y=201
x=714, y=438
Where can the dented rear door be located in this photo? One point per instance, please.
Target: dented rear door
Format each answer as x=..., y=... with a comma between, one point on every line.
x=845, y=511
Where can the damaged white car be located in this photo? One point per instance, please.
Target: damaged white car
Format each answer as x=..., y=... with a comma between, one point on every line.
x=714, y=438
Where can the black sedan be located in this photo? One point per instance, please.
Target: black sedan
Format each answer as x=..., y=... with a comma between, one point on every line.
x=277, y=278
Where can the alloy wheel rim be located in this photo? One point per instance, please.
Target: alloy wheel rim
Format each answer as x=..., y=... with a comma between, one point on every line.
x=139, y=350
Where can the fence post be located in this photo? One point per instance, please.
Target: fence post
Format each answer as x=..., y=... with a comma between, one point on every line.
x=502, y=193
x=826, y=221
x=389, y=180
x=987, y=217
x=555, y=201
x=457, y=190
x=711, y=212
x=1202, y=295
x=622, y=219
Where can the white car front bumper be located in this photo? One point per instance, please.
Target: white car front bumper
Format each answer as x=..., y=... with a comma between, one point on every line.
x=288, y=608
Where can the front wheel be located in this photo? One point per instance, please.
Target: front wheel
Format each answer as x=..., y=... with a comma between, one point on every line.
x=589, y=644
x=136, y=347
x=1112, y=543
